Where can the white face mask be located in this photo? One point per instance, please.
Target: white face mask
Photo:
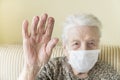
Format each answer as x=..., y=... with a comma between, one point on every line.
x=83, y=60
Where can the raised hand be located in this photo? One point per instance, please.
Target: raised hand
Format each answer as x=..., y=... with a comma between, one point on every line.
x=37, y=44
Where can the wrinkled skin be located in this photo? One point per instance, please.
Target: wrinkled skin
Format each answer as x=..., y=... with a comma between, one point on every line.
x=37, y=44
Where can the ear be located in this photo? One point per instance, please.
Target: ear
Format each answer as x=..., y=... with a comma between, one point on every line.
x=64, y=49
x=64, y=45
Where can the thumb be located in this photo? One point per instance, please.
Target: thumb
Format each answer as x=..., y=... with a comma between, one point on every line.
x=51, y=44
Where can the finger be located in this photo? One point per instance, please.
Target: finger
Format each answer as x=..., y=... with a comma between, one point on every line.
x=49, y=28
x=42, y=23
x=52, y=43
x=34, y=26
x=25, y=29
x=41, y=27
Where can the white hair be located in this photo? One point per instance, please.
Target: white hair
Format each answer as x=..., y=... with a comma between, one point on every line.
x=80, y=20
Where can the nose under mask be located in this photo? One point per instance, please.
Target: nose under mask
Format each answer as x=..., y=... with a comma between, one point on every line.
x=83, y=60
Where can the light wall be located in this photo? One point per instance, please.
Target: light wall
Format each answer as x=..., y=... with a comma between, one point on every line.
x=13, y=12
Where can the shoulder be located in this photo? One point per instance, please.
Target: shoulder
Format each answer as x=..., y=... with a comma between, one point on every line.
x=104, y=67
x=105, y=70
x=57, y=59
x=54, y=63
x=51, y=68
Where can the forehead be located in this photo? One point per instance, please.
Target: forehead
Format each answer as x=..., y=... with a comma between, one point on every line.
x=83, y=33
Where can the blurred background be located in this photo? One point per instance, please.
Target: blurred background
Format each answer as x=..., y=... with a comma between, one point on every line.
x=13, y=12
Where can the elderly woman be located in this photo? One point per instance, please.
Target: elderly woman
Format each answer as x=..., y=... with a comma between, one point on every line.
x=81, y=38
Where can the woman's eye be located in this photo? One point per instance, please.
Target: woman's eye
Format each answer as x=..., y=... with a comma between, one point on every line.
x=75, y=43
x=92, y=44
x=75, y=46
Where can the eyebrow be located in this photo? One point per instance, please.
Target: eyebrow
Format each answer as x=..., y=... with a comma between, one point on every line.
x=75, y=41
x=89, y=39
x=86, y=40
x=92, y=40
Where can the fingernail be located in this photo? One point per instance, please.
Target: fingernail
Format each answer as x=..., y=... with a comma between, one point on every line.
x=36, y=18
x=51, y=19
x=44, y=16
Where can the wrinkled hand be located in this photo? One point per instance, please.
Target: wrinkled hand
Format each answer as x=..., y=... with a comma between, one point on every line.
x=37, y=44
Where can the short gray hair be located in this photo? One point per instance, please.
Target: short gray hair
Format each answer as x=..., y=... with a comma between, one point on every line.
x=81, y=20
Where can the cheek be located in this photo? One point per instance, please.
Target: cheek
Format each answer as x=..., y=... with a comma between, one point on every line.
x=75, y=47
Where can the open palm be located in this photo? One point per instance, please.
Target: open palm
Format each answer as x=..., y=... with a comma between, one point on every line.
x=37, y=44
